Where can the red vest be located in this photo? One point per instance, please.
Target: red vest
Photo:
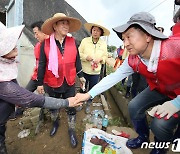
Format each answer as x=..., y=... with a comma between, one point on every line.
x=66, y=64
x=167, y=78
x=36, y=54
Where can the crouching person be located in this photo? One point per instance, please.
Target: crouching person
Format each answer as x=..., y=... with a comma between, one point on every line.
x=11, y=93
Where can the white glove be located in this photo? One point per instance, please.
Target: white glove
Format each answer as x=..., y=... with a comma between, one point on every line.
x=83, y=82
x=165, y=109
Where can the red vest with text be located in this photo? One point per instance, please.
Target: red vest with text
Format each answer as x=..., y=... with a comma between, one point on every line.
x=66, y=64
x=36, y=54
x=167, y=78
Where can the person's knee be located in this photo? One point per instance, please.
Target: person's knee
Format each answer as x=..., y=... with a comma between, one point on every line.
x=132, y=108
x=161, y=129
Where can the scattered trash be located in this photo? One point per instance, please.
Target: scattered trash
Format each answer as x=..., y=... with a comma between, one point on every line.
x=24, y=133
x=122, y=134
x=96, y=104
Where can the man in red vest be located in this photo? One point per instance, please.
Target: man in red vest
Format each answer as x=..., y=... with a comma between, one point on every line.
x=158, y=60
x=40, y=36
x=58, y=65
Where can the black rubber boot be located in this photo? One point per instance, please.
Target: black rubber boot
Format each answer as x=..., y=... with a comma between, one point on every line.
x=158, y=150
x=55, y=127
x=72, y=136
x=3, y=149
x=88, y=106
x=141, y=127
x=71, y=130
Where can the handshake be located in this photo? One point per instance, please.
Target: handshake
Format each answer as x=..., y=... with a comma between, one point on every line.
x=78, y=99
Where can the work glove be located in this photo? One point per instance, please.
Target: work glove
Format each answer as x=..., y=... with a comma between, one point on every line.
x=167, y=109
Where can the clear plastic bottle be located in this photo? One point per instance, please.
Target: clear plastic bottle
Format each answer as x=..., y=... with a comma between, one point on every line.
x=95, y=120
x=105, y=123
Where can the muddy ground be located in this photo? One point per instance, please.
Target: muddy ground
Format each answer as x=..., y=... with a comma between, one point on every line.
x=43, y=143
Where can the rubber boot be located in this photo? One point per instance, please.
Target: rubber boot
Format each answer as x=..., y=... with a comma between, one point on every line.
x=87, y=107
x=177, y=133
x=71, y=130
x=142, y=129
x=128, y=94
x=158, y=150
x=3, y=149
x=55, y=127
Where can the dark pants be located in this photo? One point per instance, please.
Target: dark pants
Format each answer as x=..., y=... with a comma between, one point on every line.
x=163, y=129
x=91, y=80
x=69, y=92
x=138, y=85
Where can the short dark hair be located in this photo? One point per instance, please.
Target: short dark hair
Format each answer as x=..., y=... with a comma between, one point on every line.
x=102, y=31
x=37, y=24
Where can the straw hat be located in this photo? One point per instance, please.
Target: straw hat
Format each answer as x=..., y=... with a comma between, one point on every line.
x=88, y=26
x=74, y=23
x=143, y=19
x=9, y=38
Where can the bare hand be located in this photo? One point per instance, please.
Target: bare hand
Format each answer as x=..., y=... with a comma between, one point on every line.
x=97, y=61
x=89, y=58
x=40, y=89
x=82, y=83
x=72, y=102
x=82, y=97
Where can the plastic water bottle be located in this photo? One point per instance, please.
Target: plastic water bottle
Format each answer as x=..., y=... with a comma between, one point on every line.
x=95, y=120
x=105, y=123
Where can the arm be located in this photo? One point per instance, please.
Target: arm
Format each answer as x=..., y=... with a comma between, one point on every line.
x=83, y=56
x=41, y=70
x=42, y=66
x=12, y=93
x=79, y=66
x=107, y=82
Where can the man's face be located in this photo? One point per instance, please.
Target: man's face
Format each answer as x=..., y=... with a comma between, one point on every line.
x=96, y=32
x=39, y=35
x=62, y=27
x=135, y=41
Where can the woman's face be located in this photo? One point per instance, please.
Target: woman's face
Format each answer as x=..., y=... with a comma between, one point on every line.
x=12, y=54
x=135, y=40
x=62, y=27
x=96, y=32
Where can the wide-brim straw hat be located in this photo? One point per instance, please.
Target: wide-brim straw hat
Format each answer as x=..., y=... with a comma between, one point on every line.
x=145, y=20
x=74, y=23
x=9, y=38
x=88, y=26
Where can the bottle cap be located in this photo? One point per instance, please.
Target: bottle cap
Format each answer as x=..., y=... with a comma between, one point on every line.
x=106, y=116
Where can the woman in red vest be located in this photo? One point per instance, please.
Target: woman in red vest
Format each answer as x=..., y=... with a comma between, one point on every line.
x=59, y=64
x=158, y=60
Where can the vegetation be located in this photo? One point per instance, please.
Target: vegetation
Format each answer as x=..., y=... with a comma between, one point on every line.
x=119, y=86
x=111, y=48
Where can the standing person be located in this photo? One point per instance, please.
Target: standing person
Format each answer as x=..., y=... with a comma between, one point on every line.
x=58, y=65
x=93, y=53
x=158, y=59
x=40, y=36
x=11, y=93
x=32, y=84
